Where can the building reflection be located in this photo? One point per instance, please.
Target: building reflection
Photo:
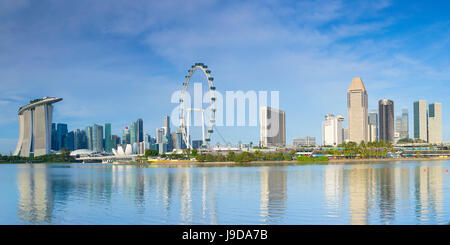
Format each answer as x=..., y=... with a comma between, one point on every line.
x=35, y=196
x=428, y=192
x=273, y=194
x=381, y=193
x=359, y=195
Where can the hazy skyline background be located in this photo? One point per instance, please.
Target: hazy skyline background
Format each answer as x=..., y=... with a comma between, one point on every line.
x=118, y=61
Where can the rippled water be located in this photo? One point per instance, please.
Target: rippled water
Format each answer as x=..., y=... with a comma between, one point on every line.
x=375, y=193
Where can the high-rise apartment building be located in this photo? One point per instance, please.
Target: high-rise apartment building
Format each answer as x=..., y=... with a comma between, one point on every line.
x=386, y=120
x=140, y=130
x=35, y=128
x=108, y=144
x=420, y=120
x=373, y=126
x=332, y=130
x=435, y=123
x=272, y=127
x=357, y=111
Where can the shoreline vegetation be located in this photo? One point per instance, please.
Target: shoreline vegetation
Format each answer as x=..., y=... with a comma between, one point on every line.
x=63, y=157
x=346, y=152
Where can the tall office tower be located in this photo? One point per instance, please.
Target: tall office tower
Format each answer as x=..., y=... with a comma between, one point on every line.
x=108, y=146
x=35, y=124
x=435, y=123
x=140, y=130
x=179, y=142
x=80, y=139
x=90, y=140
x=69, y=140
x=61, y=131
x=386, y=120
x=373, y=126
x=398, y=128
x=160, y=132
x=272, y=127
x=332, y=130
x=126, y=136
x=404, y=133
x=77, y=139
x=54, y=138
x=147, y=141
x=114, y=141
x=133, y=138
x=357, y=111
x=420, y=120
x=167, y=124
x=97, y=138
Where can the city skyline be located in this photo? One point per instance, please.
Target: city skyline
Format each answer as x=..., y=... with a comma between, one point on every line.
x=395, y=56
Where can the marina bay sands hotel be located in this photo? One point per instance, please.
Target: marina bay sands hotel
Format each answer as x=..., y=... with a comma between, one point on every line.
x=35, y=127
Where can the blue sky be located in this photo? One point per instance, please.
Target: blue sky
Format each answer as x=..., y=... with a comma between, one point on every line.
x=115, y=61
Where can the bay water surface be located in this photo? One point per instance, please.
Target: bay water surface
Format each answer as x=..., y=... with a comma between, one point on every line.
x=397, y=192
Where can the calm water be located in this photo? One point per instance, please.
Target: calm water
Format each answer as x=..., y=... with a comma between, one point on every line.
x=381, y=193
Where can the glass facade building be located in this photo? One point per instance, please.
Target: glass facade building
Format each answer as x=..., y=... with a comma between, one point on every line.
x=108, y=145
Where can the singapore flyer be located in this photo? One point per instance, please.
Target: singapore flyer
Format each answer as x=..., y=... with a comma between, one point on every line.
x=185, y=111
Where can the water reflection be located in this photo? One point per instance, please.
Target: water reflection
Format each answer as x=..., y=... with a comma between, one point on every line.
x=273, y=194
x=35, y=196
x=111, y=194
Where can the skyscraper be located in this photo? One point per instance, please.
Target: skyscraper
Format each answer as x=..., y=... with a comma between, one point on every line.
x=54, y=138
x=61, y=131
x=373, y=126
x=108, y=145
x=90, y=140
x=357, y=111
x=398, y=128
x=160, y=132
x=435, y=123
x=69, y=140
x=272, y=127
x=420, y=120
x=404, y=133
x=126, y=136
x=97, y=138
x=80, y=140
x=140, y=130
x=386, y=120
x=133, y=138
x=35, y=128
x=167, y=124
x=332, y=130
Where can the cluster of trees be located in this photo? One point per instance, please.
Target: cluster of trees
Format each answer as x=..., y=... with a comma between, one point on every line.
x=246, y=157
x=64, y=157
x=374, y=149
x=407, y=140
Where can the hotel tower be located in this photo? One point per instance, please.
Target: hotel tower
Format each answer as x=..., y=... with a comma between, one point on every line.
x=35, y=128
